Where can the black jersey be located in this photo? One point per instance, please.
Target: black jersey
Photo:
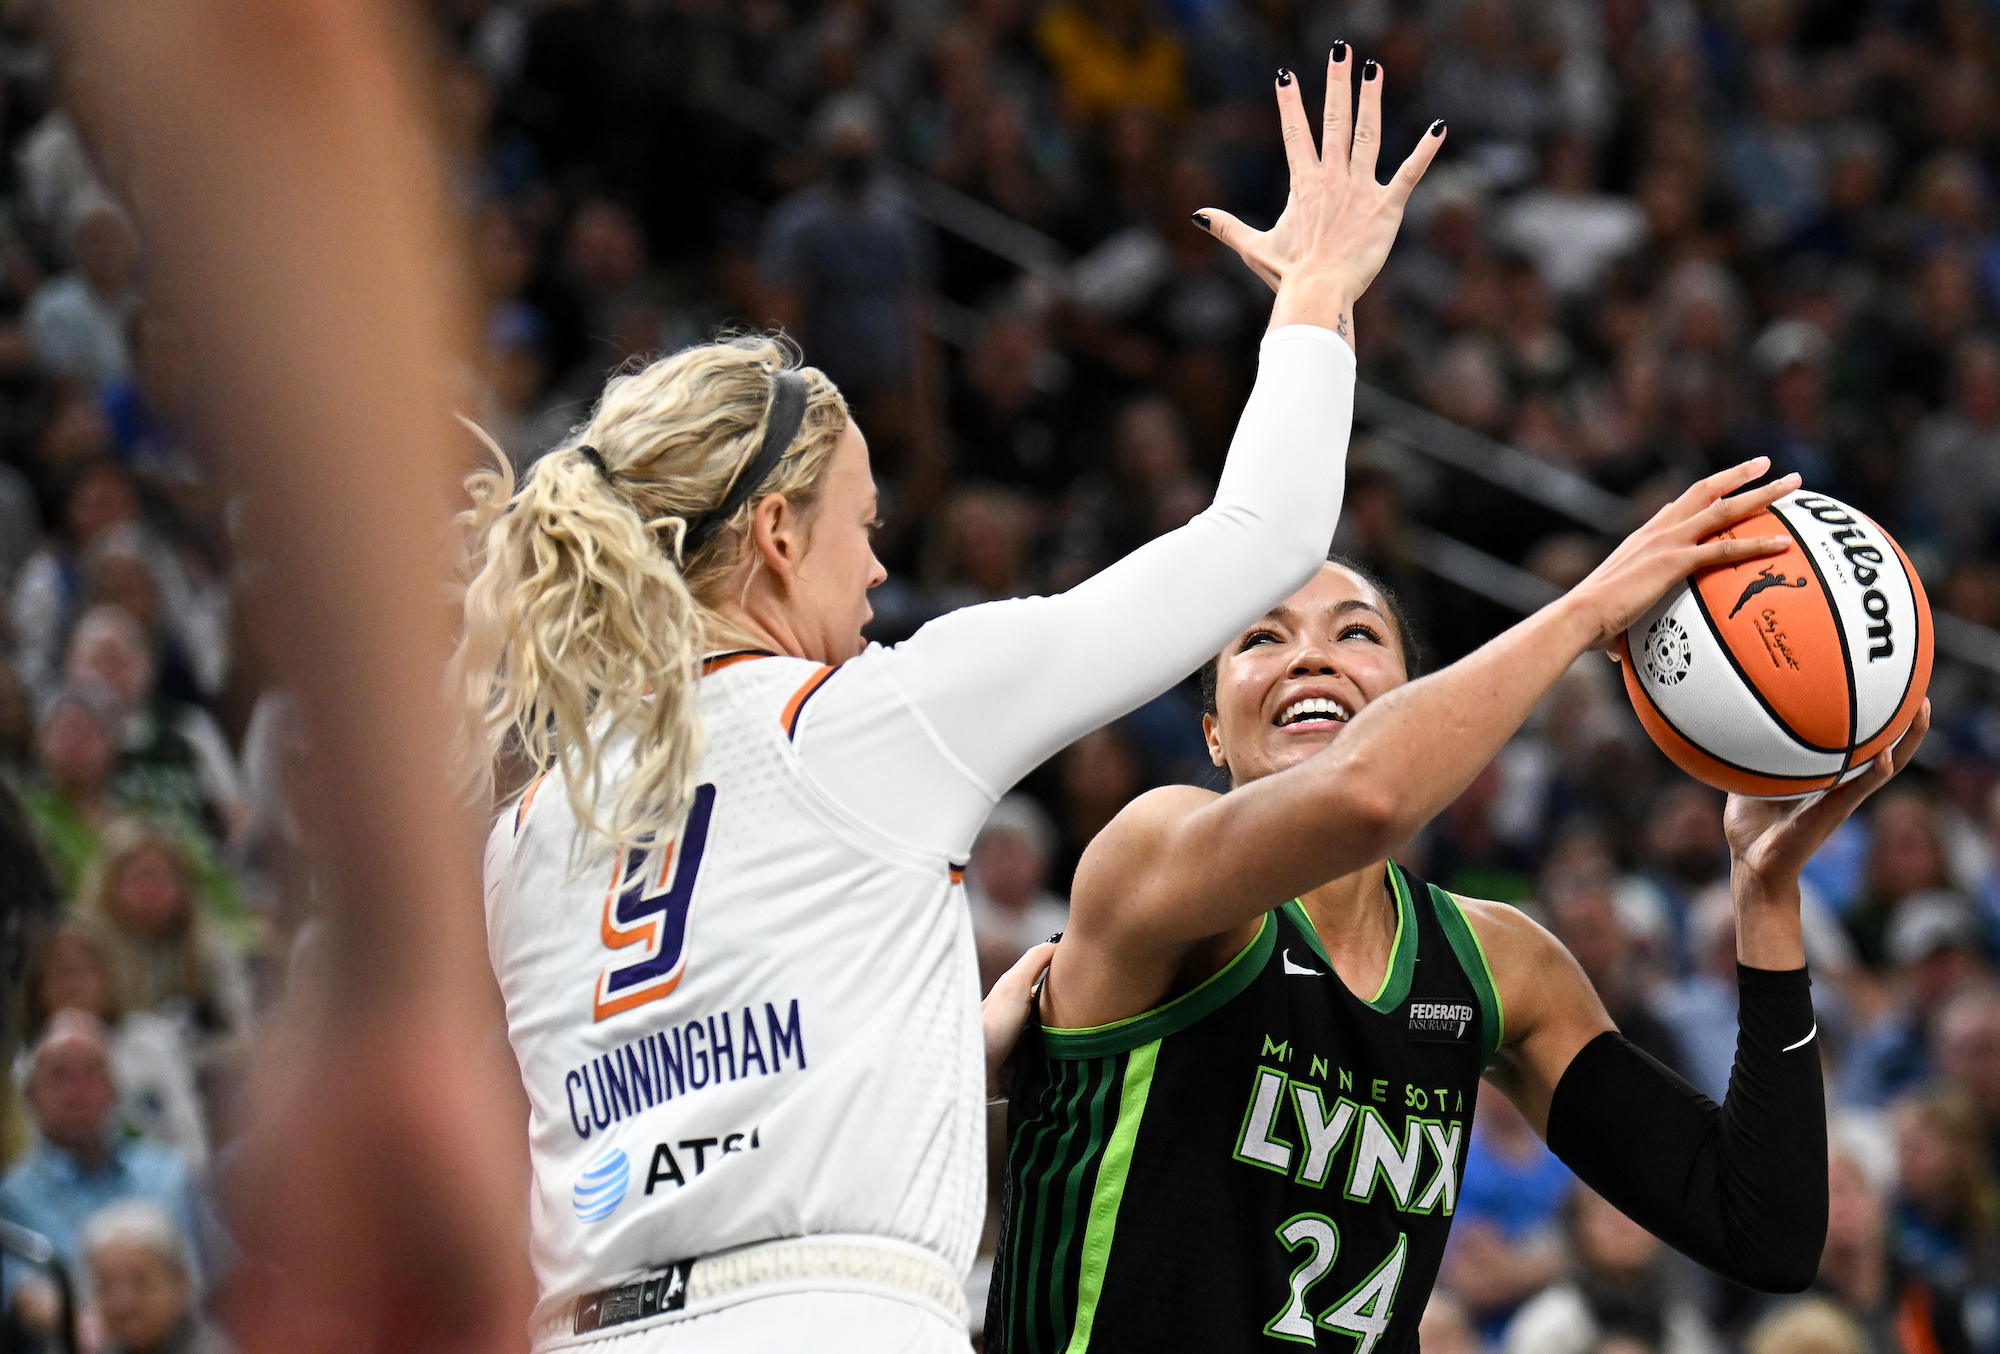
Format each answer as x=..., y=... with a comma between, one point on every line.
x=1267, y=1158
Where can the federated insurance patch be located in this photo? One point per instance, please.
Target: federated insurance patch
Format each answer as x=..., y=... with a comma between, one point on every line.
x=1440, y=1022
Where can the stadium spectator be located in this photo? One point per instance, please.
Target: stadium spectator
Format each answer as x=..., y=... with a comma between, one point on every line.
x=1954, y=461
x=1584, y=914
x=1812, y=1326
x=146, y=895
x=1946, y=1219
x=1905, y=857
x=1006, y=885
x=1935, y=945
x=1862, y=1273
x=847, y=265
x=985, y=536
x=1615, y=1288
x=142, y=1278
x=48, y=591
x=73, y=970
x=71, y=800
x=1966, y=1037
x=79, y=1164
x=173, y=758
x=77, y=323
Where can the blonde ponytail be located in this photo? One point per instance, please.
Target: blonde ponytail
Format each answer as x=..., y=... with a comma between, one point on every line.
x=584, y=624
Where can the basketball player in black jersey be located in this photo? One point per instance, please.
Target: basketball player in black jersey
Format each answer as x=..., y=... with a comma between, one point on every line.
x=1239, y=1121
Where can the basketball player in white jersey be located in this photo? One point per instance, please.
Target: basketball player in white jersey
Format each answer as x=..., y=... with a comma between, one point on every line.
x=726, y=917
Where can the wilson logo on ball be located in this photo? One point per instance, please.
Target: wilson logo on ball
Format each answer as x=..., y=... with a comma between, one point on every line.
x=1786, y=675
x=1865, y=560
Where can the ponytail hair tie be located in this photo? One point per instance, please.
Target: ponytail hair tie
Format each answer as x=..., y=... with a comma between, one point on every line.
x=591, y=454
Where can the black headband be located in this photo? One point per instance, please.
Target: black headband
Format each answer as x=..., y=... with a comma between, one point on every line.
x=788, y=411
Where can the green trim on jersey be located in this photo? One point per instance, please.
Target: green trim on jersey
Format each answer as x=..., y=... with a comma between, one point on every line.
x=1472, y=958
x=1402, y=955
x=1149, y=1027
x=1109, y=1189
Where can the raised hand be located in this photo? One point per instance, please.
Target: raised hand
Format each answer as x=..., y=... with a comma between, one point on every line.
x=1674, y=545
x=1338, y=221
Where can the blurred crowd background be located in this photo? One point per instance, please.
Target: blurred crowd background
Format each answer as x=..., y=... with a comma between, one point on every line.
x=1663, y=235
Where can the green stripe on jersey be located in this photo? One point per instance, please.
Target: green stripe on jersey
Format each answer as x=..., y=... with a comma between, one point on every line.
x=1472, y=958
x=1149, y=1027
x=1110, y=1188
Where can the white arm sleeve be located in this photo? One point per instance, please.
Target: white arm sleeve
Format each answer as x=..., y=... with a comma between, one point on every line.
x=922, y=739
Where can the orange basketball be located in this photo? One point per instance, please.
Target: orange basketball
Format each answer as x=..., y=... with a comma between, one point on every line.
x=1786, y=675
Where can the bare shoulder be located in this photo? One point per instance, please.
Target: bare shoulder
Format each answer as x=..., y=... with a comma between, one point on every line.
x=1511, y=938
x=1129, y=844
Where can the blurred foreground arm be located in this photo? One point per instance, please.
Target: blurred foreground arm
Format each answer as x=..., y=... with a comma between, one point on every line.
x=275, y=155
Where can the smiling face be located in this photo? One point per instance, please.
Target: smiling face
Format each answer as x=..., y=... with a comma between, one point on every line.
x=1286, y=686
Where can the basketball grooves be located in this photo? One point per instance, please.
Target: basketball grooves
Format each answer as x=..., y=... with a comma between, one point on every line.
x=1840, y=631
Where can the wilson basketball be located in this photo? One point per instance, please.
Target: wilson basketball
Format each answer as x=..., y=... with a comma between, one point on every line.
x=1785, y=675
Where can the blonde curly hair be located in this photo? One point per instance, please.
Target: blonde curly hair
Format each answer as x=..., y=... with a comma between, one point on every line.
x=585, y=621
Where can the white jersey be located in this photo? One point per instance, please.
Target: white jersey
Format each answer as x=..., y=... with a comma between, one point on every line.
x=768, y=1027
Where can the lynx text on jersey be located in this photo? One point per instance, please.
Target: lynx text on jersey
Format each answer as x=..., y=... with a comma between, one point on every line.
x=680, y=1060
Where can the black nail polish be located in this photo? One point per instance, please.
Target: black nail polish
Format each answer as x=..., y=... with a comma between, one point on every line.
x=1201, y=220
x=1284, y=76
x=1340, y=49
x=1369, y=70
x=1437, y=128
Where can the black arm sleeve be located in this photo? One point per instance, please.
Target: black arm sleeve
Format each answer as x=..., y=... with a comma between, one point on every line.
x=1739, y=1187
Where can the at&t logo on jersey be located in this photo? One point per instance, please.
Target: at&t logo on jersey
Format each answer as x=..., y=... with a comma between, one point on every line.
x=641, y=908
x=601, y=1187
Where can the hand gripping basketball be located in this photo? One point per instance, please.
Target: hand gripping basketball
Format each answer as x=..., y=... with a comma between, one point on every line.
x=1675, y=544
x=1774, y=838
x=1785, y=675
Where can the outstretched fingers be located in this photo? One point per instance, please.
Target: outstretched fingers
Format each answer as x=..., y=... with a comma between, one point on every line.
x=1411, y=171
x=1299, y=153
x=1335, y=131
x=1367, y=126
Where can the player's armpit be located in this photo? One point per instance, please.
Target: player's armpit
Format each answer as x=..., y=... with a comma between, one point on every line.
x=1549, y=1008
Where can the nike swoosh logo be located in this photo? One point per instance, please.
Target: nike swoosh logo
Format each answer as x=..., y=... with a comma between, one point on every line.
x=1803, y=1042
x=1290, y=967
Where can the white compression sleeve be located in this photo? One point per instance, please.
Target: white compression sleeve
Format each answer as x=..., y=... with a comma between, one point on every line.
x=920, y=740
